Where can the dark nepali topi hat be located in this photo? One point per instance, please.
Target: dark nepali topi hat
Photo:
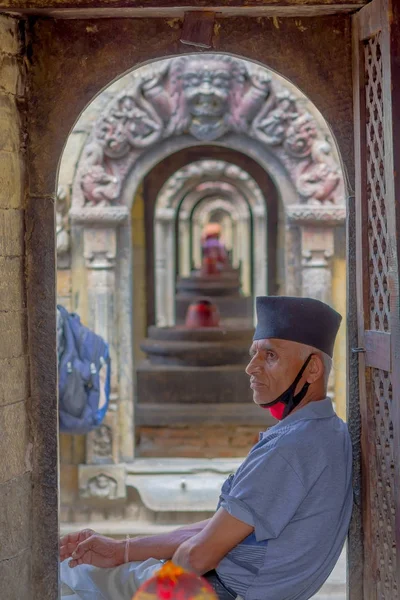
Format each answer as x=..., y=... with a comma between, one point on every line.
x=303, y=320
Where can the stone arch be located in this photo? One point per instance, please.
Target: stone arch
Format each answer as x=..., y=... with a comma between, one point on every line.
x=161, y=101
x=190, y=184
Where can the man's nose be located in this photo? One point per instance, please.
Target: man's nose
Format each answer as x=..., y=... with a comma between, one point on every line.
x=252, y=366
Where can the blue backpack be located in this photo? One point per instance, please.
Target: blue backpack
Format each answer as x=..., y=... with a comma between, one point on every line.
x=83, y=376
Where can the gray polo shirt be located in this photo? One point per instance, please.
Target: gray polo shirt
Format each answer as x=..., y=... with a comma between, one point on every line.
x=295, y=489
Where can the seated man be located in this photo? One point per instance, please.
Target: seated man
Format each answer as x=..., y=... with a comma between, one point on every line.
x=283, y=517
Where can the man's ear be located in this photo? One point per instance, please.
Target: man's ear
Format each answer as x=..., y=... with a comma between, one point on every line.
x=315, y=369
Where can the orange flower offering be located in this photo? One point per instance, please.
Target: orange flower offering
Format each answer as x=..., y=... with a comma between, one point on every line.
x=174, y=583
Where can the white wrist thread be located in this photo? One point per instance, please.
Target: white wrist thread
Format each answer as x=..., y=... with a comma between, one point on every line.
x=126, y=557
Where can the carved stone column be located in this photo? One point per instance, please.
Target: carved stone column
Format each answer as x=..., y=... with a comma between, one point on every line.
x=315, y=223
x=184, y=246
x=196, y=242
x=260, y=255
x=245, y=254
x=100, y=229
x=165, y=267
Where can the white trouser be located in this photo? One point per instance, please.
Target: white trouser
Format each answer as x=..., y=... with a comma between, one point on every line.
x=118, y=583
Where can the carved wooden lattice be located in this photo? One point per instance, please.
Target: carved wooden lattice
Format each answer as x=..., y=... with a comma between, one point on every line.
x=382, y=463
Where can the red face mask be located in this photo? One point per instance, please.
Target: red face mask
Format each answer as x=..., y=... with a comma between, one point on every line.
x=277, y=410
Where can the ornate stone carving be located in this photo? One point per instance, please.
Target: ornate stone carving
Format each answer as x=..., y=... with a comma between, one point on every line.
x=326, y=215
x=100, y=247
x=106, y=482
x=104, y=216
x=207, y=96
x=102, y=441
x=62, y=228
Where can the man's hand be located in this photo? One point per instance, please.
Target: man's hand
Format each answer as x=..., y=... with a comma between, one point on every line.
x=87, y=547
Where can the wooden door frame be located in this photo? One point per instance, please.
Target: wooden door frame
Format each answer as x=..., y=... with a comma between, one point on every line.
x=379, y=350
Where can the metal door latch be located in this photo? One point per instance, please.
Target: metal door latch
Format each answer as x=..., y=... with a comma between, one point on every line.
x=358, y=350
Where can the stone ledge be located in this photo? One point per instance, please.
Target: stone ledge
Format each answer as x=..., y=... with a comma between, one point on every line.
x=101, y=216
x=312, y=214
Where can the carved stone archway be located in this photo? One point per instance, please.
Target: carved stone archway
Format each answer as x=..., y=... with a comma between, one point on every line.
x=174, y=104
x=183, y=190
x=206, y=96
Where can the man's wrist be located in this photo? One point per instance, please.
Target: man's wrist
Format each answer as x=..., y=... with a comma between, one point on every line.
x=121, y=553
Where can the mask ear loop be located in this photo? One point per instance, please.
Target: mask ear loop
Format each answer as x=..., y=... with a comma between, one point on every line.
x=291, y=389
x=295, y=400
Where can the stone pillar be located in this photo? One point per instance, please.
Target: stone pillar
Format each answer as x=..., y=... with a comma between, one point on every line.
x=245, y=254
x=100, y=232
x=184, y=246
x=316, y=236
x=28, y=375
x=317, y=249
x=165, y=267
x=315, y=224
x=260, y=254
x=196, y=242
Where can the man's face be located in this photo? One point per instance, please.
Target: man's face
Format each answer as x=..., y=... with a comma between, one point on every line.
x=273, y=367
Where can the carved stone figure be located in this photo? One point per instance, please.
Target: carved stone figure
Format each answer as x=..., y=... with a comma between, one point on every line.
x=271, y=125
x=102, y=441
x=300, y=136
x=206, y=96
x=102, y=486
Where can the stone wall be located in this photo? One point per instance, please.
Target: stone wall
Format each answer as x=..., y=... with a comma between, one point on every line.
x=28, y=393
x=15, y=440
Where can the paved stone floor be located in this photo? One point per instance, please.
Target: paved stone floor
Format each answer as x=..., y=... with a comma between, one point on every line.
x=335, y=587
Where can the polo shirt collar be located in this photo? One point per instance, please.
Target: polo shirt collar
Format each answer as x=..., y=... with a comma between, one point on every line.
x=321, y=409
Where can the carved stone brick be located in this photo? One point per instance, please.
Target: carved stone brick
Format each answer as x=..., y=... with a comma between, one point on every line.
x=102, y=482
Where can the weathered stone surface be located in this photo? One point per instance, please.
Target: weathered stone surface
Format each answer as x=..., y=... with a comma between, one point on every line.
x=14, y=441
x=11, y=180
x=13, y=334
x=11, y=232
x=11, y=283
x=14, y=374
x=15, y=498
x=15, y=576
x=10, y=40
x=11, y=80
x=10, y=126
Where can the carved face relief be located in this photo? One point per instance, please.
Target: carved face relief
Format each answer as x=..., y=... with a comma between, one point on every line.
x=102, y=486
x=206, y=87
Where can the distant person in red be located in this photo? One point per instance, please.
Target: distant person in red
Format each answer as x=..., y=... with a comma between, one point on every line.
x=212, y=246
